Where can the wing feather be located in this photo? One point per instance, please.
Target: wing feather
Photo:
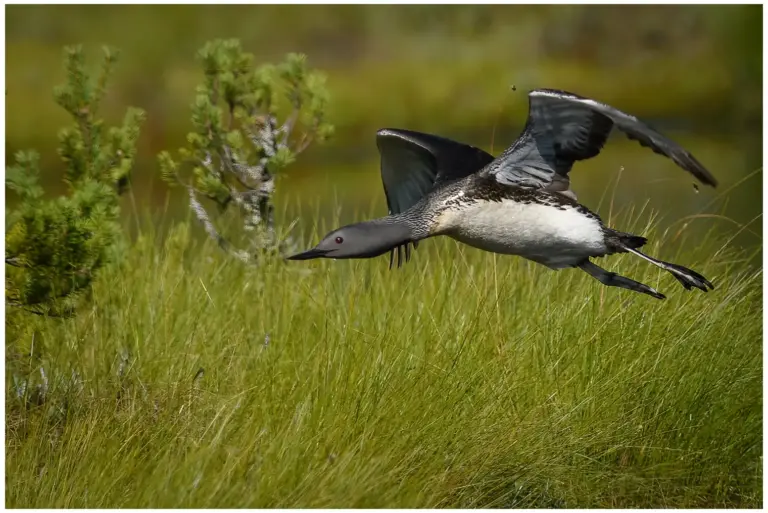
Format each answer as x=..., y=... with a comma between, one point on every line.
x=563, y=128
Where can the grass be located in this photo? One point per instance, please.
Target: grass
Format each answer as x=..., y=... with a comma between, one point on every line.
x=463, y=379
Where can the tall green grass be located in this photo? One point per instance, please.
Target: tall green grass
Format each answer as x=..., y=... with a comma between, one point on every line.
x=463, y=379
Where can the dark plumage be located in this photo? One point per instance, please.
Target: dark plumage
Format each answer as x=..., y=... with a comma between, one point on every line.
x=563, y=128
x=519, y=203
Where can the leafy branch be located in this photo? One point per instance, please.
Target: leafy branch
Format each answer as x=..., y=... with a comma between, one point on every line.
x=238, y=144
x=54, y=248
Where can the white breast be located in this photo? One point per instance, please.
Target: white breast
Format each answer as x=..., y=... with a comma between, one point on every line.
x=547, y=234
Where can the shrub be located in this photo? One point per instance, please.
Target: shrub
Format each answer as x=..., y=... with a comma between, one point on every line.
x=237, y=144
x=55, y=247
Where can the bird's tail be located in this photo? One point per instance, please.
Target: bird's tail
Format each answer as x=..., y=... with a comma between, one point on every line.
x=620, y=241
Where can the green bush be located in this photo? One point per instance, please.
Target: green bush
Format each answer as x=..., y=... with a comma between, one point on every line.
x=55, y=247
x=237, y=144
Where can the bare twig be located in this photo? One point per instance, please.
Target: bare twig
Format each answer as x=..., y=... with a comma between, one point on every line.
x=202, y=216
x=245, y=176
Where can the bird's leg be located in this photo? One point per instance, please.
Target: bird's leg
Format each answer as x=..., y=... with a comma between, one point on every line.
x=615, y=280
x=687, y=277
x=396, y=254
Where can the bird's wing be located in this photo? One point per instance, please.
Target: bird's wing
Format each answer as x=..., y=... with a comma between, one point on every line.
x=412, y=163
x=563, y=128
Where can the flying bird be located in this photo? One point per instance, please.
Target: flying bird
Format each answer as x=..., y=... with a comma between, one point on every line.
x=519, y=203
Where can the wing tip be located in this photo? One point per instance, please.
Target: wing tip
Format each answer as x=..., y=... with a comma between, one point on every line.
x=557, y=93
x=708, y=179
x=705, y=176
x=383, y=134
x=401, y=133
x=386, y=131
x=388, y=136
x=698, y=170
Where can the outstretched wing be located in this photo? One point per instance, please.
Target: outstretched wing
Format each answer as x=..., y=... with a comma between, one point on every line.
x=412, y=163
x=563, y=128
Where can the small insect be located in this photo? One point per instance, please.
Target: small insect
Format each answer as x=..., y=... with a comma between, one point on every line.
x=696, y=188
x=513, y=87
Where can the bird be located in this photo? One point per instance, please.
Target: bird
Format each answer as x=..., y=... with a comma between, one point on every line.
x=519, y=203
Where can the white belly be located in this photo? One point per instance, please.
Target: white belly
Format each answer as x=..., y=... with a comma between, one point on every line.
x=546, y=234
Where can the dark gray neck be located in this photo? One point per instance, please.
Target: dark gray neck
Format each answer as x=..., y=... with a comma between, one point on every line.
x=415, y=221
x=378, y=236
x=396, y=229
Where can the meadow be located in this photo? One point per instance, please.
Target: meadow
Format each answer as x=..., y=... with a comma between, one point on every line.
x=463, y=379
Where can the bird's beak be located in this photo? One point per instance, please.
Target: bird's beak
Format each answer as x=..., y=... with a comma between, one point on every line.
x=308, y=255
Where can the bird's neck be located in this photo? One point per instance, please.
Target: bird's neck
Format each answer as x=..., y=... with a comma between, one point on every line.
x=410, y=221
x=397, y=225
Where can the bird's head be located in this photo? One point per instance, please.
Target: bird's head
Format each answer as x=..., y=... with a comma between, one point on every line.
x=361, y=240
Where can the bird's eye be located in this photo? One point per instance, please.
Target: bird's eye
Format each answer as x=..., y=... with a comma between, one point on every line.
x=339, y=240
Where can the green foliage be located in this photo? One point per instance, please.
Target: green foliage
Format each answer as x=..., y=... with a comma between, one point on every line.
x=237, y=145
x=55, y=247
x=464, y=379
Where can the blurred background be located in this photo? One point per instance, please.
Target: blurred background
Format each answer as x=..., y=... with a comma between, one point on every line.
x=694, y=72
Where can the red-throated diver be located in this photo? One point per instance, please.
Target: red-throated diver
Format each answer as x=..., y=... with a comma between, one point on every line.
x=519, y=203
